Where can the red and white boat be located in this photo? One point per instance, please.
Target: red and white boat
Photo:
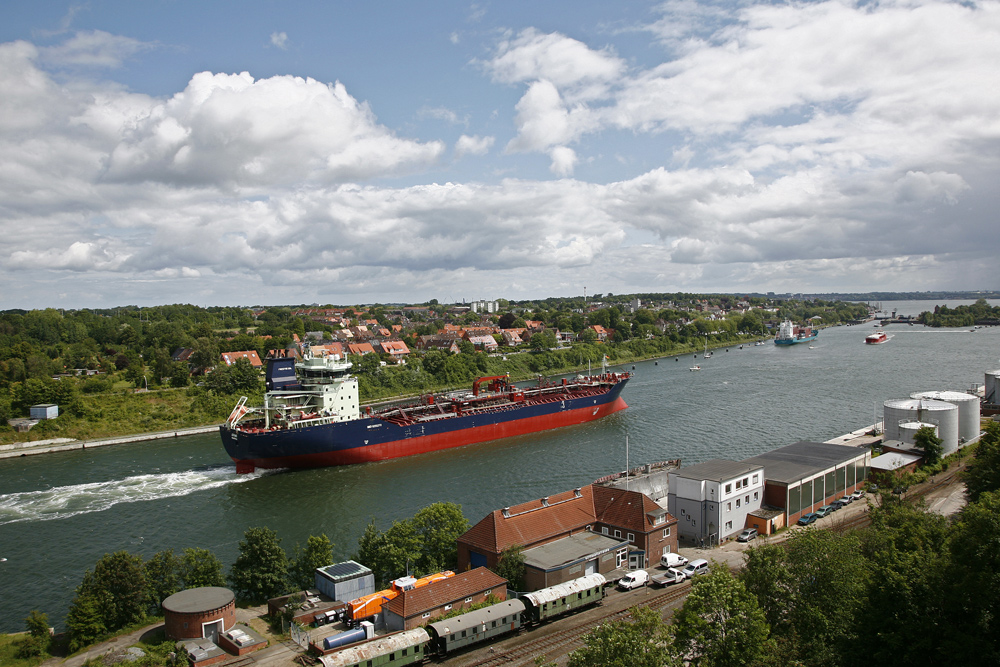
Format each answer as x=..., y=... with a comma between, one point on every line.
x=876, y=338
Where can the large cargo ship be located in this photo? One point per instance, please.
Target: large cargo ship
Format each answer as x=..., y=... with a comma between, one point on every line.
x=311, y=416
x=790, y=334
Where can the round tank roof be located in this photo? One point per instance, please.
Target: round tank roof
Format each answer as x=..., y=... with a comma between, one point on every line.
x=198, y=600
x=918, y=404
x=949, y=396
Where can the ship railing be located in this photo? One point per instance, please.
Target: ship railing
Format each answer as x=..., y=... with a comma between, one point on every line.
x=314, y=421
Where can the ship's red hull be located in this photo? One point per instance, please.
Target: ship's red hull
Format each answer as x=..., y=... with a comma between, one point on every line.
x=430, y=443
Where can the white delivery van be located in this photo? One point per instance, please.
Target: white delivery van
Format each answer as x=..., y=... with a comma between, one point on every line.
x=633, y=580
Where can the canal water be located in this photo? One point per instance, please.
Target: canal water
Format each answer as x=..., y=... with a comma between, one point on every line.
x=59, y=513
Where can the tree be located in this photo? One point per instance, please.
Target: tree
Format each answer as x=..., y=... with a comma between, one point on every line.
x=982, y=474
x=765, y=575
x=927, y=441
x=439, y=526
x=975, y=574
x=36, y=641
x=163, y=575
x=119, y=587
x=84, y=621
x=302, y=566
x=832, y=578
x=510, y=566
x=201, y=567
x=261, y=569
x=638, y=642
x=720, y=624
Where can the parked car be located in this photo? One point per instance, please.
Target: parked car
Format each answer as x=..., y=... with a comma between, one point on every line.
x=747, y=535
x=671, y=576
x=695, y=567
x=670, y=559
x=858, y=495
x=837, y=504
x=873, y=488
x=633, y=580
x=807, y=519
x=847, y=500
x=823, y=511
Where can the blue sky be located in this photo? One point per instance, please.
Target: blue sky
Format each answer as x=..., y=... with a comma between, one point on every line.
x=298, y=152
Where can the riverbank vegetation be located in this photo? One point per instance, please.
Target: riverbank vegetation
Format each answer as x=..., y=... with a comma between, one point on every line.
x=132, y=370
x=962, y=316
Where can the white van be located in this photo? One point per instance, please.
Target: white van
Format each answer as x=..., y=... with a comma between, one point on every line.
x=670, y=559
x=633, y=580
x=695, y=568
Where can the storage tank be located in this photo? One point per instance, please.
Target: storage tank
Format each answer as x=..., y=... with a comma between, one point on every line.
x=909, y=429
x=992, y=389
x=903, y=410
x=968, y=410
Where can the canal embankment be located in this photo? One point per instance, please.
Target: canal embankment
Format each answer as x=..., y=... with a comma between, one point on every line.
x=52, y=445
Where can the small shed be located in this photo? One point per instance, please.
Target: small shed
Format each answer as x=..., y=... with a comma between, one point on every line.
x=44, y=411
x=345, y=581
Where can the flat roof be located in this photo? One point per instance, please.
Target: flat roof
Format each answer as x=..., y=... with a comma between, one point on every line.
x=893, y=461
x=571, y=549
x=718, y=470
x=795, y=462
x=197, y=600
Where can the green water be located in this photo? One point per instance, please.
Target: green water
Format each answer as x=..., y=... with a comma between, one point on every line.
x=59, y=513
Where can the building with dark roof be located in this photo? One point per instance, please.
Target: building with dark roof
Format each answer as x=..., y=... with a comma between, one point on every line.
x=419, y=606
x=804, y=476
x=573, y=557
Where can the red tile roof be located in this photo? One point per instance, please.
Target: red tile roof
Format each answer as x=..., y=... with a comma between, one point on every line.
x=447, y=591
x=534, y=523
x=230, y=358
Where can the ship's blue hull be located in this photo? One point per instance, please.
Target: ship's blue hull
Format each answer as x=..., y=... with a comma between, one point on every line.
x=373, y=439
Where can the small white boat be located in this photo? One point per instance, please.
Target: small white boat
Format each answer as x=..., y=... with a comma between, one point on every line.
x=695, y=368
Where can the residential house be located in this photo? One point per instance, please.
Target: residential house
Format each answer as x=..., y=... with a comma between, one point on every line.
x=230, y=358
x=360, y=348
x=395, y=348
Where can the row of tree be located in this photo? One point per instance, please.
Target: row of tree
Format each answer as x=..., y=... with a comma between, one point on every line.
x=961, y=316
x=912, y=589
x=123, y=589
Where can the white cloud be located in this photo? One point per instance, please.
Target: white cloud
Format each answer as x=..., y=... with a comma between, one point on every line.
x=564, y=61
x=474, y=145
x=280, y=40
x=233, y=130
x=94, y=48
x=563, y=161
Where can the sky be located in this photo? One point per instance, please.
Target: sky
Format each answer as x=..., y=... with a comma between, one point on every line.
x=265, y=153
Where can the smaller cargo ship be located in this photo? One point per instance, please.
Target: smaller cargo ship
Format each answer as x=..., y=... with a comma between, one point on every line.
x=790, y=334
x=876, y=338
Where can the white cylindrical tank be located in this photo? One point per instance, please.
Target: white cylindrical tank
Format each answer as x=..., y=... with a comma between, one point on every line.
x=968, y=410
x=909, y=429
x=903, y=410
x=992, y=389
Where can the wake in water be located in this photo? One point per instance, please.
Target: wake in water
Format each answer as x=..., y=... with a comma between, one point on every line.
x=66, y=501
